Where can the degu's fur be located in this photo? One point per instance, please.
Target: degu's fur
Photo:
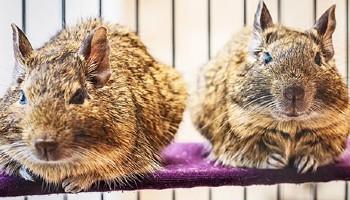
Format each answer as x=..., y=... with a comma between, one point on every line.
x=272, y=97
x=89, y=105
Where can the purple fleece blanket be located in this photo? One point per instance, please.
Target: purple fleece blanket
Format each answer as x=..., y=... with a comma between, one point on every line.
x=186, y=166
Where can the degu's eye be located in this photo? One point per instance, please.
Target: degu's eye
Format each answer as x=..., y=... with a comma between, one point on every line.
x=22, y=98
x=267, y=57
x=78, y=97
x=318, y=59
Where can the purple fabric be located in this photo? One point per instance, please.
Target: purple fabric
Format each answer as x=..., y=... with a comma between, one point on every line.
x=186, y=166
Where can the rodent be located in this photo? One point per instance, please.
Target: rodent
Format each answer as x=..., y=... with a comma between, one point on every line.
x=90, y=105
x=272, y=97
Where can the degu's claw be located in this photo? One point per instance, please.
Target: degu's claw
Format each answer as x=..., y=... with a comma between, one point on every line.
x=23, y=172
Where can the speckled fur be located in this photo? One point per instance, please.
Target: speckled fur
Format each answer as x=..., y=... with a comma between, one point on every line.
x=117, y=133
x=237, y=107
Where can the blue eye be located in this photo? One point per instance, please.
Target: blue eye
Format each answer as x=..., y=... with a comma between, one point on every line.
x=267, y=57
x=22, y=98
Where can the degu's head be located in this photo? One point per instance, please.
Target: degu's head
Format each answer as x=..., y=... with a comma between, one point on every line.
x=292, y=73
x=62, y=100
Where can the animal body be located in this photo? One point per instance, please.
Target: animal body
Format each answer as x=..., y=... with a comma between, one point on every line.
x=90, y=105
x=272, y=97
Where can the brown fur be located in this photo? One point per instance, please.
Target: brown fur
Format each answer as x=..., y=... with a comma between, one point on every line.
x=240, y=100
x=116, y=133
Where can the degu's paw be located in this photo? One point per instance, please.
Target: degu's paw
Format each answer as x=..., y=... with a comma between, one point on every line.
x=306, y=163
x=77, y=184
x=276, y=161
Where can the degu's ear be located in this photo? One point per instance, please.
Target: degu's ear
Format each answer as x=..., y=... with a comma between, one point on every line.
x=21, y=46
x=262, y=21
x=95, y=51
x=325, y=27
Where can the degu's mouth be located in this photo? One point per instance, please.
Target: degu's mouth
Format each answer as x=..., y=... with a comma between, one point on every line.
x=291, y=115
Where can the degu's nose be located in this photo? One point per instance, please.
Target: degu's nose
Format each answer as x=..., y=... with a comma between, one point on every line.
x=45, y=148
x=294, y=93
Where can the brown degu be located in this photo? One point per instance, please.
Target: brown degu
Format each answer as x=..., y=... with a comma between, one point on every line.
x=90, y=105
x=272, y=97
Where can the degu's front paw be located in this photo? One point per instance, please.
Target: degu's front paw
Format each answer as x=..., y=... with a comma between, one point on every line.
x=276, y=161
x=306, y=163
x=77, y=184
